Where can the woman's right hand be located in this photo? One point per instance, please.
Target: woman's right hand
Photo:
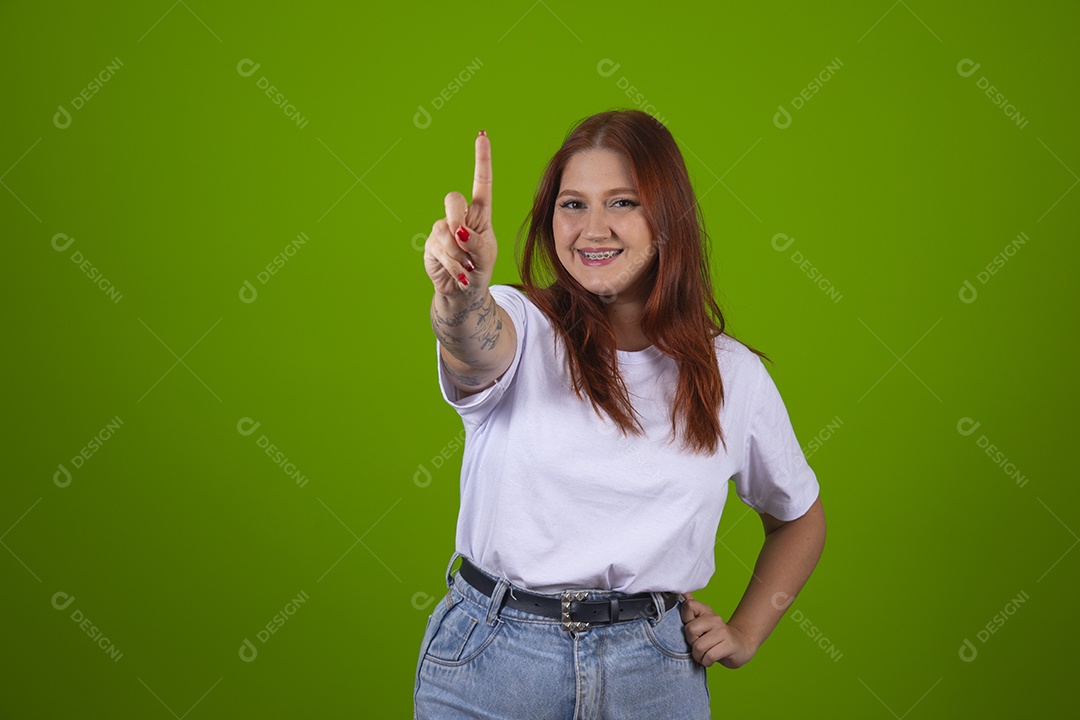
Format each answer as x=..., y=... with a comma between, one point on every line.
x=459, y=254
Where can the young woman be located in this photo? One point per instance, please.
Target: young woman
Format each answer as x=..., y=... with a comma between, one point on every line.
x=605, y=410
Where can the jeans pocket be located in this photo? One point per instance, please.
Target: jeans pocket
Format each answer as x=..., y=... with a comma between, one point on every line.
x=668, y=637
x=461, y=634
x=433, y=622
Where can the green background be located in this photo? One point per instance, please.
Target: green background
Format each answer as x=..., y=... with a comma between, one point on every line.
x=180, y=180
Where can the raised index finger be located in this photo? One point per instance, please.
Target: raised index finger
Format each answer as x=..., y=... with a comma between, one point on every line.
x=481, y=192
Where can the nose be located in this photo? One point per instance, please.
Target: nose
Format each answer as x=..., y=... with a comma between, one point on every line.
x=596, y=227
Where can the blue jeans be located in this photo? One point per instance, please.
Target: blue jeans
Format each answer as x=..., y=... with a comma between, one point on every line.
x=480, y=660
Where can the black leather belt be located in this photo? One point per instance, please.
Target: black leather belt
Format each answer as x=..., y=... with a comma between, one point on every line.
x=575, y=612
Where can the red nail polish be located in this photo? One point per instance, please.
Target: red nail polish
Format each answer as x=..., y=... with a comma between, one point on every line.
x=462, y=234
x=469, y=266
x=462, y=279
x=483, y=132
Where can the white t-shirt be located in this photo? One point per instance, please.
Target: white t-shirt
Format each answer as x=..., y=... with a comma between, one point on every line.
x=553, y=497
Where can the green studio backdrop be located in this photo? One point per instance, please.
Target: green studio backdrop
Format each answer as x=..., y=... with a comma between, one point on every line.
x=230, y=482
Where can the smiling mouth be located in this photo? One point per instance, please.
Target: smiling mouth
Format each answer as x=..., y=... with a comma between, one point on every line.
x=602, y=255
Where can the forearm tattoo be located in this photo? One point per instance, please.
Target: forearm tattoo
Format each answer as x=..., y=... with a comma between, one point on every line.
x=463, y=379
x=462, y=315
x=444, y=337
x=484, y=336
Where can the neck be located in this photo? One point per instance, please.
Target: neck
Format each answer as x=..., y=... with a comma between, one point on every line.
x=625, y=318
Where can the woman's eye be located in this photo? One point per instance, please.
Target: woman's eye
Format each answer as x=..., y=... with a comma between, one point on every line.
x=578, y=205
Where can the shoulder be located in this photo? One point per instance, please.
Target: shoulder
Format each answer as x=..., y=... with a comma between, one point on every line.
x=509, y=293
x=507, y=289
x=741, y=369
x=513, y=299
x=732, y=354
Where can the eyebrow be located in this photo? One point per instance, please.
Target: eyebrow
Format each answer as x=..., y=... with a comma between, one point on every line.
x=613, y=191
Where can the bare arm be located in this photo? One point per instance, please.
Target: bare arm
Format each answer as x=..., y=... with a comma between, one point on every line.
x=477, y=339
x=789, y=554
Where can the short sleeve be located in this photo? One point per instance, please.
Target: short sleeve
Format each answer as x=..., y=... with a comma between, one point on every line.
x=775, y=477
x=475, y=408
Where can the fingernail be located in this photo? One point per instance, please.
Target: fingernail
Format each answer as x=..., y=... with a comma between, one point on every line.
x=462, y=234
x=483, y=132
x=469, y=266
x=462, y=279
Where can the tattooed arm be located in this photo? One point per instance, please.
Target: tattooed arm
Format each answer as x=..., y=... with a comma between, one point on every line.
x=477, y=339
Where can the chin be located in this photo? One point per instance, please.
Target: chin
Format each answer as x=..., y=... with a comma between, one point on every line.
x=599, y=283
x=604, y=291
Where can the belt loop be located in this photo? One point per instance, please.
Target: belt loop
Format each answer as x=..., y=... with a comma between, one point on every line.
x=658, y=601
x=449, y=577
x=497, y=596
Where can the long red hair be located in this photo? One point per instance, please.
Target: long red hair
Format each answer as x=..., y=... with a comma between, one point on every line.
x=681, y=316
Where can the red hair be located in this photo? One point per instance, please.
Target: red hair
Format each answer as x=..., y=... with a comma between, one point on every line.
x=681, y=316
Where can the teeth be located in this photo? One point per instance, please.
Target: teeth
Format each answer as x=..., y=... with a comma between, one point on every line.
x=600, y=255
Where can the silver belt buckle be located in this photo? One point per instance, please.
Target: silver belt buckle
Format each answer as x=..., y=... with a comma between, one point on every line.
x=568, y=597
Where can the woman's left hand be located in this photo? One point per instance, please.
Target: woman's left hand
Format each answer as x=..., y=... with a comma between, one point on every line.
x=711, y=639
